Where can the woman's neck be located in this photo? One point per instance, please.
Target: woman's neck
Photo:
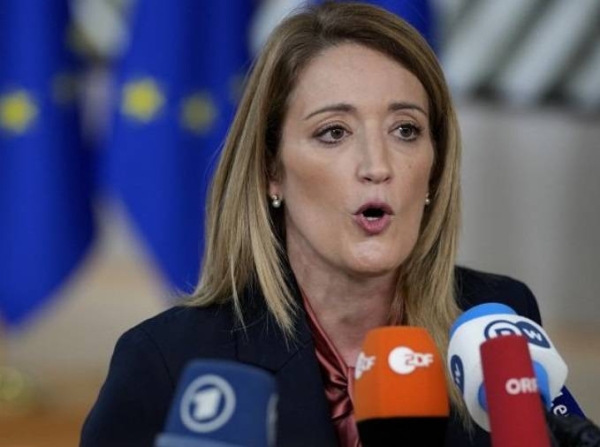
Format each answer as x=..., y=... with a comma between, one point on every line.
x=346, y=307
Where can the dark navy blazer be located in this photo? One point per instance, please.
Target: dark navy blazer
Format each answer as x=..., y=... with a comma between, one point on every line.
x=134, y=401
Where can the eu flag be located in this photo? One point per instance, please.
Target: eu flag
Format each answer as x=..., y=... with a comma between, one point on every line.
x=45, y=212
x=176, y=93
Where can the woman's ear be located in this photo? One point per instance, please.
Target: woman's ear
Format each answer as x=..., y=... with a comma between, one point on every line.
x=274, y=188
x=274, y=172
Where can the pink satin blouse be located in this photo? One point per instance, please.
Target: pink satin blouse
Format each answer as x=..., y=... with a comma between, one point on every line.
x=338, y=379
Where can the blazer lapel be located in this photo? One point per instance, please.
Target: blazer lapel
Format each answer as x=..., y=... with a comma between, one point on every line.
x=304, y=418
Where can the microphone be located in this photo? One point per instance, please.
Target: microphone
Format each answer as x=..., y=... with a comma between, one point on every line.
x=566, y=405
x=566, y=421
x=512, y=400
x=574, y=431
x=488, y=321
x=221, y=404
x=400, y=394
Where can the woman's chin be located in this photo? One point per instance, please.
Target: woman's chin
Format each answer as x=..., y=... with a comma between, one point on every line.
x=378, y=257
x=374, y=266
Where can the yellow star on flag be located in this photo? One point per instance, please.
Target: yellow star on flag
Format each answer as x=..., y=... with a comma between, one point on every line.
x=17, y=111
x=142, y=100
x=198, y=113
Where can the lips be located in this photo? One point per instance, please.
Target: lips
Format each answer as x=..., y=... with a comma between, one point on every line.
x=373, y=217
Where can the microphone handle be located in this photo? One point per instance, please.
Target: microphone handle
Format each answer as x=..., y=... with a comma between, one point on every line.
x=573, y=431
x=410, y=431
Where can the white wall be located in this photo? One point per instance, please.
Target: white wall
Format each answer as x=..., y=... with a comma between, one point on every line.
x=531, y=183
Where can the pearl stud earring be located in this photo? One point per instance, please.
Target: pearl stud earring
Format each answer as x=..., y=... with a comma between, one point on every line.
x=275, y=201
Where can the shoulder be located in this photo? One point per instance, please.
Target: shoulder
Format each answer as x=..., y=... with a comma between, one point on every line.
x=145, y=366
x=182, y=333
x=475, y=287
x=179, y=322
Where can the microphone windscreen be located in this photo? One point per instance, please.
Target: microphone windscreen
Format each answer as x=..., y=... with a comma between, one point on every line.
x=221, y=403
x=483, y=322
x=400, y=391
x=514, y=404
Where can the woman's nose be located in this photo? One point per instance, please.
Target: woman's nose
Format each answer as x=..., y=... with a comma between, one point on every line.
x=374, y=166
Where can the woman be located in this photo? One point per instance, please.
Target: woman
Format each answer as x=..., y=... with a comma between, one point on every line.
x=334, y=210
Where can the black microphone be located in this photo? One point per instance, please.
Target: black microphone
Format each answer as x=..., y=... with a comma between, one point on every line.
x=573, y=431
x=221, y=404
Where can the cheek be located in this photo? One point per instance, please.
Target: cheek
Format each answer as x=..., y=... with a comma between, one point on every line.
x=413, y=188
x=312, y=183
x=420, y=182
x=414, y=177
x=425, y=167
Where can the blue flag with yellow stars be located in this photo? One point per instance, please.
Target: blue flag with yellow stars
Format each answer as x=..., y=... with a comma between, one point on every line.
x=178, y=85
x=45, y=213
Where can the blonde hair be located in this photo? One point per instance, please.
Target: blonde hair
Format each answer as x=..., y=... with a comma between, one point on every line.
x=244, y=239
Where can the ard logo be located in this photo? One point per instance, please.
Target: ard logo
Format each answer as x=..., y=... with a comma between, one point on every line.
x=207, y=404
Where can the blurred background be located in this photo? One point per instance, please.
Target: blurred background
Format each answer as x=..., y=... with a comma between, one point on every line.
x=112, y=113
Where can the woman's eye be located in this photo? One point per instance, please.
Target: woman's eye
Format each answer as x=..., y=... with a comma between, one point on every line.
x=331, y=135
x=408, y=131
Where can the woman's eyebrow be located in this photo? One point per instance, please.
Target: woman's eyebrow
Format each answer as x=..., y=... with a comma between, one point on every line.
x=339, y=107
x=398, y=106
x=347, y=108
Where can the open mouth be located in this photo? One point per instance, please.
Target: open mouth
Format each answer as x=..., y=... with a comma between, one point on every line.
x=374, y=217
x=374, y=210
x=373, y=213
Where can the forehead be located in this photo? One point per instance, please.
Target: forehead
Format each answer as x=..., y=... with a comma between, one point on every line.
x=355, y=74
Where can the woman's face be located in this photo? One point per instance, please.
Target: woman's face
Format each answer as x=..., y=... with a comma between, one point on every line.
x=356, y=156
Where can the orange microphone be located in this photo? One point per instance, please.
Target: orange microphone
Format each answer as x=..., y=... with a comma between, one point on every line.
x=400, y=394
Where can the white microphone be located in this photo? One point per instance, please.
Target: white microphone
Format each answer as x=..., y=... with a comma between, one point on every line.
x=488, y=321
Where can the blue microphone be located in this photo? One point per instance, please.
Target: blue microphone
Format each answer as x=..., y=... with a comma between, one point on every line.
x=221, y=404
x=566, y=405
